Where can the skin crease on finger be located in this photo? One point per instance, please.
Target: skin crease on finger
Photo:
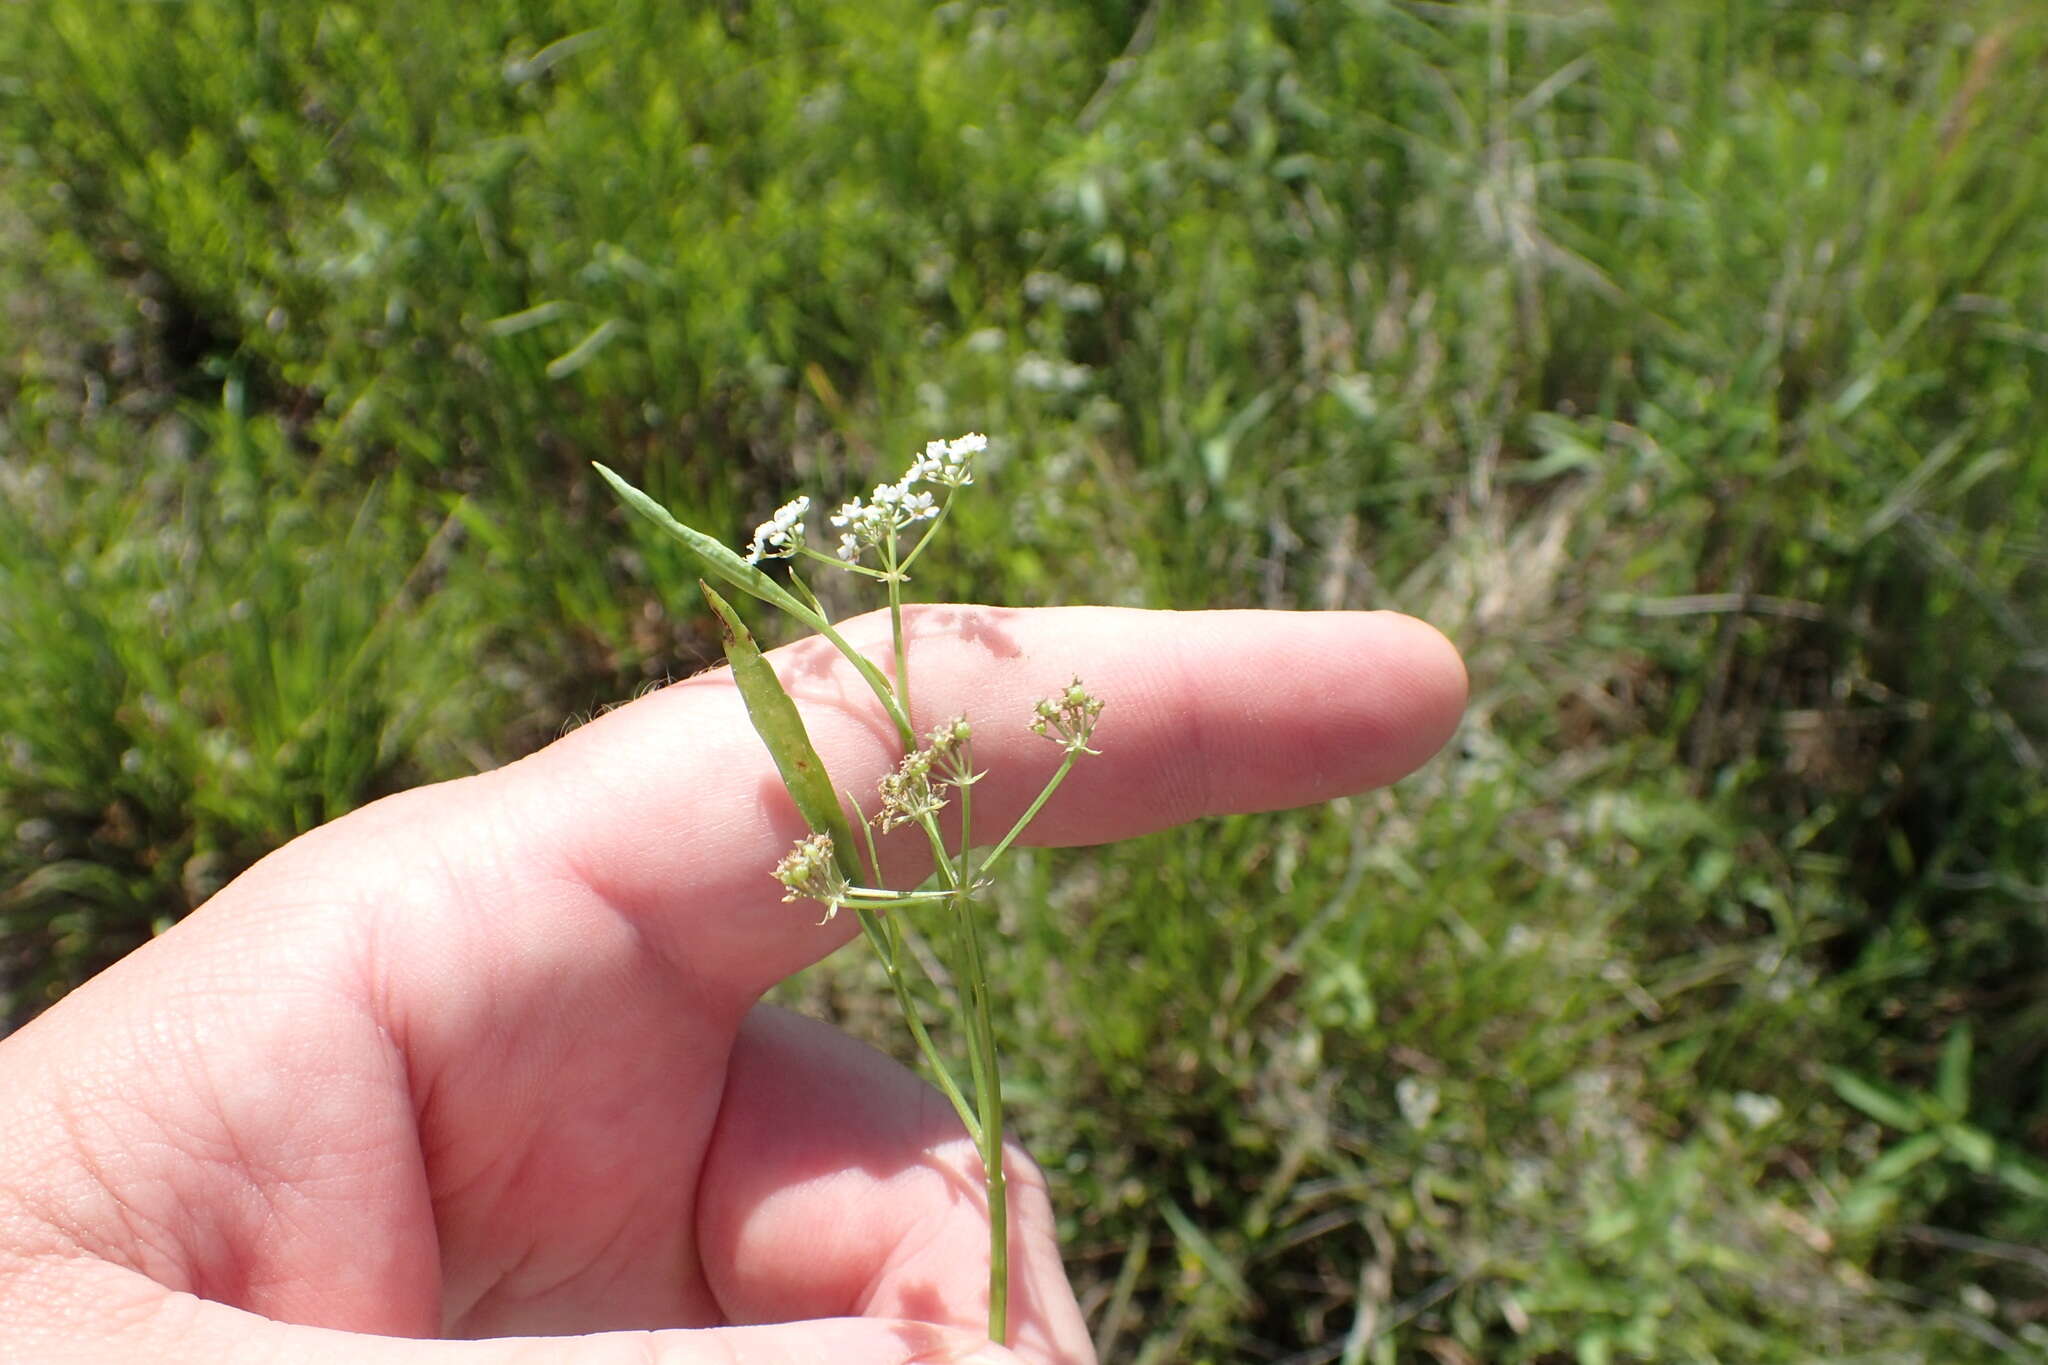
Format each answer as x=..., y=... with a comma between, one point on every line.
x=516, y=995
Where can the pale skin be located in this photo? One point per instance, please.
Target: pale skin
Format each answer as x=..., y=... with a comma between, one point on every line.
x=486, y=1061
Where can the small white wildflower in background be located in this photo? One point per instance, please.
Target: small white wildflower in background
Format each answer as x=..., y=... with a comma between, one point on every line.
x=1758, y=1111
x=781, y=535
x=1419, y=1100
x=949, y=463
x=1049, y=375
x=1526, y=1178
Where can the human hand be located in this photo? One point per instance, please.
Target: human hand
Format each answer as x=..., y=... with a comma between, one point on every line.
x=485, y=1059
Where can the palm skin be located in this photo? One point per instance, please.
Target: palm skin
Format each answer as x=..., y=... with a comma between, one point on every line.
x=486, y=1059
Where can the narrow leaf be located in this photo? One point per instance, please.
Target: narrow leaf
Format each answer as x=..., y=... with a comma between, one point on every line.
x=2020, y=1173
x=525, y=320
x=1880, y=1102
x=1196, y=1246
x=584, y=351
x=781, y=728
x=1952, y=1077
x=726, y=565
x=1909, y=1155
x=719, y=559
x=1973, y=1146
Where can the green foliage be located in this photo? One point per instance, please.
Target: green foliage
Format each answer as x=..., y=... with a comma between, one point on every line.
x=206, y=661
x=1682, y=360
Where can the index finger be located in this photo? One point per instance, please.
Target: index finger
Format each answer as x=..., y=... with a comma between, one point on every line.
x=670, y=809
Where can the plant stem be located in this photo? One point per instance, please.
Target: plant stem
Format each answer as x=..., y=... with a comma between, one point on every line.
x=885, y=948
x=931, y=529
x=966, y=790
x=876, y=682
x=988, y=1090
x=1051, y=786
x=895, y=581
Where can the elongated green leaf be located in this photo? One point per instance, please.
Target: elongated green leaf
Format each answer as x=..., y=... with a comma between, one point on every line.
x=1914, y=1152
x=718, y=559
x=1196, y=1246
x=781, y=728
x=1880, y=1102
x=2021, y=1173
x=724, y=564
x=1952, y=1078
x=1973, y=1146
x=585, y=351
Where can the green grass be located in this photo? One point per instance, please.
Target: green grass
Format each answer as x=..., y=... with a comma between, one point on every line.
x=1683, y=361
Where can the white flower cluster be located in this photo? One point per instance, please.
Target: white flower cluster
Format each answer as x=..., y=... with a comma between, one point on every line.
x=894, y=506
x=782, y=535
x=865, y=523
x=949, y=463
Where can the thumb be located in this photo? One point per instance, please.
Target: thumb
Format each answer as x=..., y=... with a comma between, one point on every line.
x=156, y=1324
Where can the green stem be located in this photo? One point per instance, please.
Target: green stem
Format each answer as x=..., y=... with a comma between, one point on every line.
x=870, y=898
x=834, y=561
x=885, y=948
x=988, y=1090
x=966, y=790
x=810, y=599
x=895, y=581
x=964, y=971
x=931, y=529
x=878, y=684
x=1051, y=786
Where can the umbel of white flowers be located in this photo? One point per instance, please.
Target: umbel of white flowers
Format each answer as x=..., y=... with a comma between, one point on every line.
x=891, y=507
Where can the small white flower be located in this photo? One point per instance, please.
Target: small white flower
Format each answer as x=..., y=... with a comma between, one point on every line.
x=1419, y=1100
x=890, y=508
x=948, y=463
x=780, y=535
x=1051, y=375
x=1758, y=1111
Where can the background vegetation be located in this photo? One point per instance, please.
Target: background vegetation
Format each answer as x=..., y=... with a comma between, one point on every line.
x=1684, y=361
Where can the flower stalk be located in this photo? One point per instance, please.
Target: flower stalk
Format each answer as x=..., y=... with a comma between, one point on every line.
x=827, y=866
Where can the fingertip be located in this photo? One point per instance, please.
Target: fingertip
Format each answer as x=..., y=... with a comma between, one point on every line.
x=1429, y=673
x=1338, y=703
